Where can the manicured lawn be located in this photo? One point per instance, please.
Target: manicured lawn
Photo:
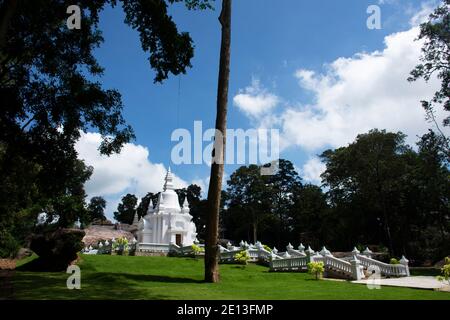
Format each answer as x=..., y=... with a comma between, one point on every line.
x=122, y=277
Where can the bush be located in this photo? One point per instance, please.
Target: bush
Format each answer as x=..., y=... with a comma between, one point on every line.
x=242, y=257
x=445, y=270
x=316, y=268
x=267, y=248
x=394, y=261
x=196, y=249
x=121, y=246
x=8, y=245
x=56, y=249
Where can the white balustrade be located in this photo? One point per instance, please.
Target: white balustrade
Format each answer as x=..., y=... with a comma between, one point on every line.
x=396, y=270
x=289, y=264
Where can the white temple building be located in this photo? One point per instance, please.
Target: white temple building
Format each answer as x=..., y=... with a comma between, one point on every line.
x=167, y=223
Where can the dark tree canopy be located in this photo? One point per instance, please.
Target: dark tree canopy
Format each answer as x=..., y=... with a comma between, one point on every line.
x=96, y=209
x=50, y=92
x=126, y=209
x=379, y=191
x=260, y=207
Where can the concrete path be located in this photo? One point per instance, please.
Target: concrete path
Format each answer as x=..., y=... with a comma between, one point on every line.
x=420, y=282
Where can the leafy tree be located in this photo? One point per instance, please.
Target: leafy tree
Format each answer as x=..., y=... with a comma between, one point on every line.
x=126, y=209
x=383, y=192
x=96, y=208
x=145, y=202
x=50, y=92
x=435, y=60
x=283, y=185
x=262, y=207
x=248, y=202
x=310, y=214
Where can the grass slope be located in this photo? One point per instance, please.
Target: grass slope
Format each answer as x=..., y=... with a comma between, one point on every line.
x=122, y=277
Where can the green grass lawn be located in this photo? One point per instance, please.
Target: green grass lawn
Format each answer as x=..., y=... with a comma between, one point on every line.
x=123, y=277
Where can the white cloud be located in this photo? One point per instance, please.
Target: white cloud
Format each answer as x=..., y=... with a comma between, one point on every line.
x=255, y=100
x=354, y=95
x=131, y=171
x=422, y=15
x=312, y=170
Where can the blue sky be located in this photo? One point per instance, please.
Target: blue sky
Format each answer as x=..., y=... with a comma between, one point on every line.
x=299, y=53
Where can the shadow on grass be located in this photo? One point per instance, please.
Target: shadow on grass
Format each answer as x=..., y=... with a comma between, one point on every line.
x=94, y=286
x=158, y=278
x=32, y=284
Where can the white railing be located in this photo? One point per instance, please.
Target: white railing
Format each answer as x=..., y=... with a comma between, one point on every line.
x=298, y=263
x=228, y=256
x=296, y=253
x=396, y=270
x=153, y=247
x=338, y=264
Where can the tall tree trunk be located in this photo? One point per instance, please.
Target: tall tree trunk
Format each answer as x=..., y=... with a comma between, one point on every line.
x=215, y=183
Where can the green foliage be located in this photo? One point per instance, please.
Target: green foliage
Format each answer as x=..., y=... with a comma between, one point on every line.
x=197, y=206
x=197, y=249
x=126, y=209
x=96, y=209
x=316, y=268
x=56, y=249
x=145, y=202
x=267, y=248
x=445, y=270
x=394, y=261
x=242, y=257
x=120, y=246
x=260, y=205
x=383, y=192
x=435, y=59
x=8, y=245
x=50, y=93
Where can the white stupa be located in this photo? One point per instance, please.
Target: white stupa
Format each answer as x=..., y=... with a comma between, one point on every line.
x=167, y=223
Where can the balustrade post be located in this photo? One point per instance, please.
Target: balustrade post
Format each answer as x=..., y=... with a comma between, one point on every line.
x=309, y=254
x=356, y=270
x=405, y=262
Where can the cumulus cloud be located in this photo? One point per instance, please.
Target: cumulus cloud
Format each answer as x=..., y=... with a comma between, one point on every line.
x=352, y=95
x=312, y=170
x=131, y=171
x=254, y=100
x=368, y=90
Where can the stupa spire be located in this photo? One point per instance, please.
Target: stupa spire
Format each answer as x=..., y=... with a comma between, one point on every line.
x=168, y=182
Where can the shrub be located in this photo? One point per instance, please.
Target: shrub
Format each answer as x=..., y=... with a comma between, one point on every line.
x=445, y=270
x=56, y=249
x=316, y=268
x=394, y=261
x=197, y=249
x=242, y=257
x=267, y=248
x=8, y=245
x=120, y=245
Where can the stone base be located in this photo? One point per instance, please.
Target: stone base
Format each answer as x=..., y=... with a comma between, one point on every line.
x=150, y=254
